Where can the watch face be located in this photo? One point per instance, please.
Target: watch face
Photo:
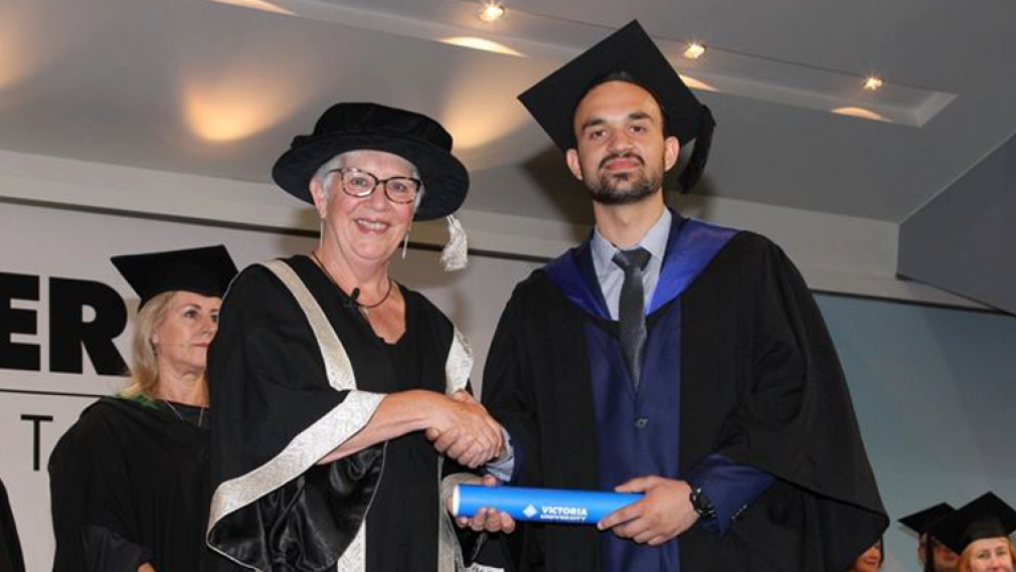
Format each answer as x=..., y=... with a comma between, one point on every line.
x=700, y=502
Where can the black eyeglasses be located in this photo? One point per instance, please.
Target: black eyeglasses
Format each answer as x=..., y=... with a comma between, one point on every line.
x=360, y=184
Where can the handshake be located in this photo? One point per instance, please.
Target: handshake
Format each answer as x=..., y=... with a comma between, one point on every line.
x=461, y=429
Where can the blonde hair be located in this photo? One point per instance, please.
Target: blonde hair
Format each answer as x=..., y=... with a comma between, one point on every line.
x=968, y=555
x=144, y=371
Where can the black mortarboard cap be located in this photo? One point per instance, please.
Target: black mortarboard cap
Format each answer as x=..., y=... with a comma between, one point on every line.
x=206, y=271
x=922, y=520
x=985, y=517
x=553, y=100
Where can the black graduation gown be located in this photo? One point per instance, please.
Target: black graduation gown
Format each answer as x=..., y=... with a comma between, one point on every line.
x=11, y=559
x=760, y=384
x=270, y=384
x=129, y=485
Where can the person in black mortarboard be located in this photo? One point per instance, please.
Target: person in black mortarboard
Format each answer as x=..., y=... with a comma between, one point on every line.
x=327, y=375
x=932, y=554
x=672, y=357
x=980, y=532
x=129, y=480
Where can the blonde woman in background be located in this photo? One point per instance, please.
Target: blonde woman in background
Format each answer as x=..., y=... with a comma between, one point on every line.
x=980, y=533
x=129, y=480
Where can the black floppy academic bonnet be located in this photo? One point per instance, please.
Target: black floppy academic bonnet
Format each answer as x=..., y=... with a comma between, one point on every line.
x=370, y=126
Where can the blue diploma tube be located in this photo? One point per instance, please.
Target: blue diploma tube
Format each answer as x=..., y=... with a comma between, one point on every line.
x=540, y=505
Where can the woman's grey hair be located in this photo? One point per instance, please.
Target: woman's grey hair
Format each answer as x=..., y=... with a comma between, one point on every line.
x=326, y=172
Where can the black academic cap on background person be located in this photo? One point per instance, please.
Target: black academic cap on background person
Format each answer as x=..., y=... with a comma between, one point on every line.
x=922, y=520
x=552, y=101
x=987, y=516
x=206, y=271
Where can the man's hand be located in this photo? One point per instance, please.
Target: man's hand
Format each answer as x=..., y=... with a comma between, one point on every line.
x=661, y=515
x=485, y=519
x=466, y=432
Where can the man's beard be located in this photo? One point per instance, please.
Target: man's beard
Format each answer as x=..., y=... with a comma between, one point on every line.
x=606, y=188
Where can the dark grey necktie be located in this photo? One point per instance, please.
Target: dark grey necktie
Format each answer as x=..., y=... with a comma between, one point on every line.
x=631, y=323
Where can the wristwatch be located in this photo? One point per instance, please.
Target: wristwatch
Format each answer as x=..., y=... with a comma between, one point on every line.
x=701, y=503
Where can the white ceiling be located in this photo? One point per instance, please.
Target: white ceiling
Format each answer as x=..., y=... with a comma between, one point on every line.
x=198, y=87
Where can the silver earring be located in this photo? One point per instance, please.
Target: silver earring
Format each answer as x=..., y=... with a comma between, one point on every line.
x=405, y=244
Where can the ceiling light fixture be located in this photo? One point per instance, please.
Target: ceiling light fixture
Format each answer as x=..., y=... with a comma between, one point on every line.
x=694, y=51
x=491, y=12
x=872, y=83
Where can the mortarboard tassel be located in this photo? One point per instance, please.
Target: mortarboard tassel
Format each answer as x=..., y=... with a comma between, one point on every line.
x=697, y=162
x=455, y=254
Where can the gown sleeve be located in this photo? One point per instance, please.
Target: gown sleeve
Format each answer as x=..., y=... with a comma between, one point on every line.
x=11, y=557
x=795, y=419
x=94, y=514
x=277, y=412
x=508, y=394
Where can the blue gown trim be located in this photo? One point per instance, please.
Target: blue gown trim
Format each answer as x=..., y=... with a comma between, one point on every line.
x=575, y=277
x=691, y=247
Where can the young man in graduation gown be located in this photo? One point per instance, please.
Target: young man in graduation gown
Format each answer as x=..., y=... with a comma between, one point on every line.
x=671, y=357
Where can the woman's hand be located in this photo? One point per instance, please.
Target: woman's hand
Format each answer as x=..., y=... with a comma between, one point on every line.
x=462, y=429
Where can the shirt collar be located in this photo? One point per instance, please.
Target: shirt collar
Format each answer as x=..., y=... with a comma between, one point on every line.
x=655, y=241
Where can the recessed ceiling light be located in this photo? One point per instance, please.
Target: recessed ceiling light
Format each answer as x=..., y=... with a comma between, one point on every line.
x=872, y=83
x=694, y=51
x=491, y=12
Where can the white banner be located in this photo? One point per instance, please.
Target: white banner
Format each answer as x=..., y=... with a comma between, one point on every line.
x=65, y=319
